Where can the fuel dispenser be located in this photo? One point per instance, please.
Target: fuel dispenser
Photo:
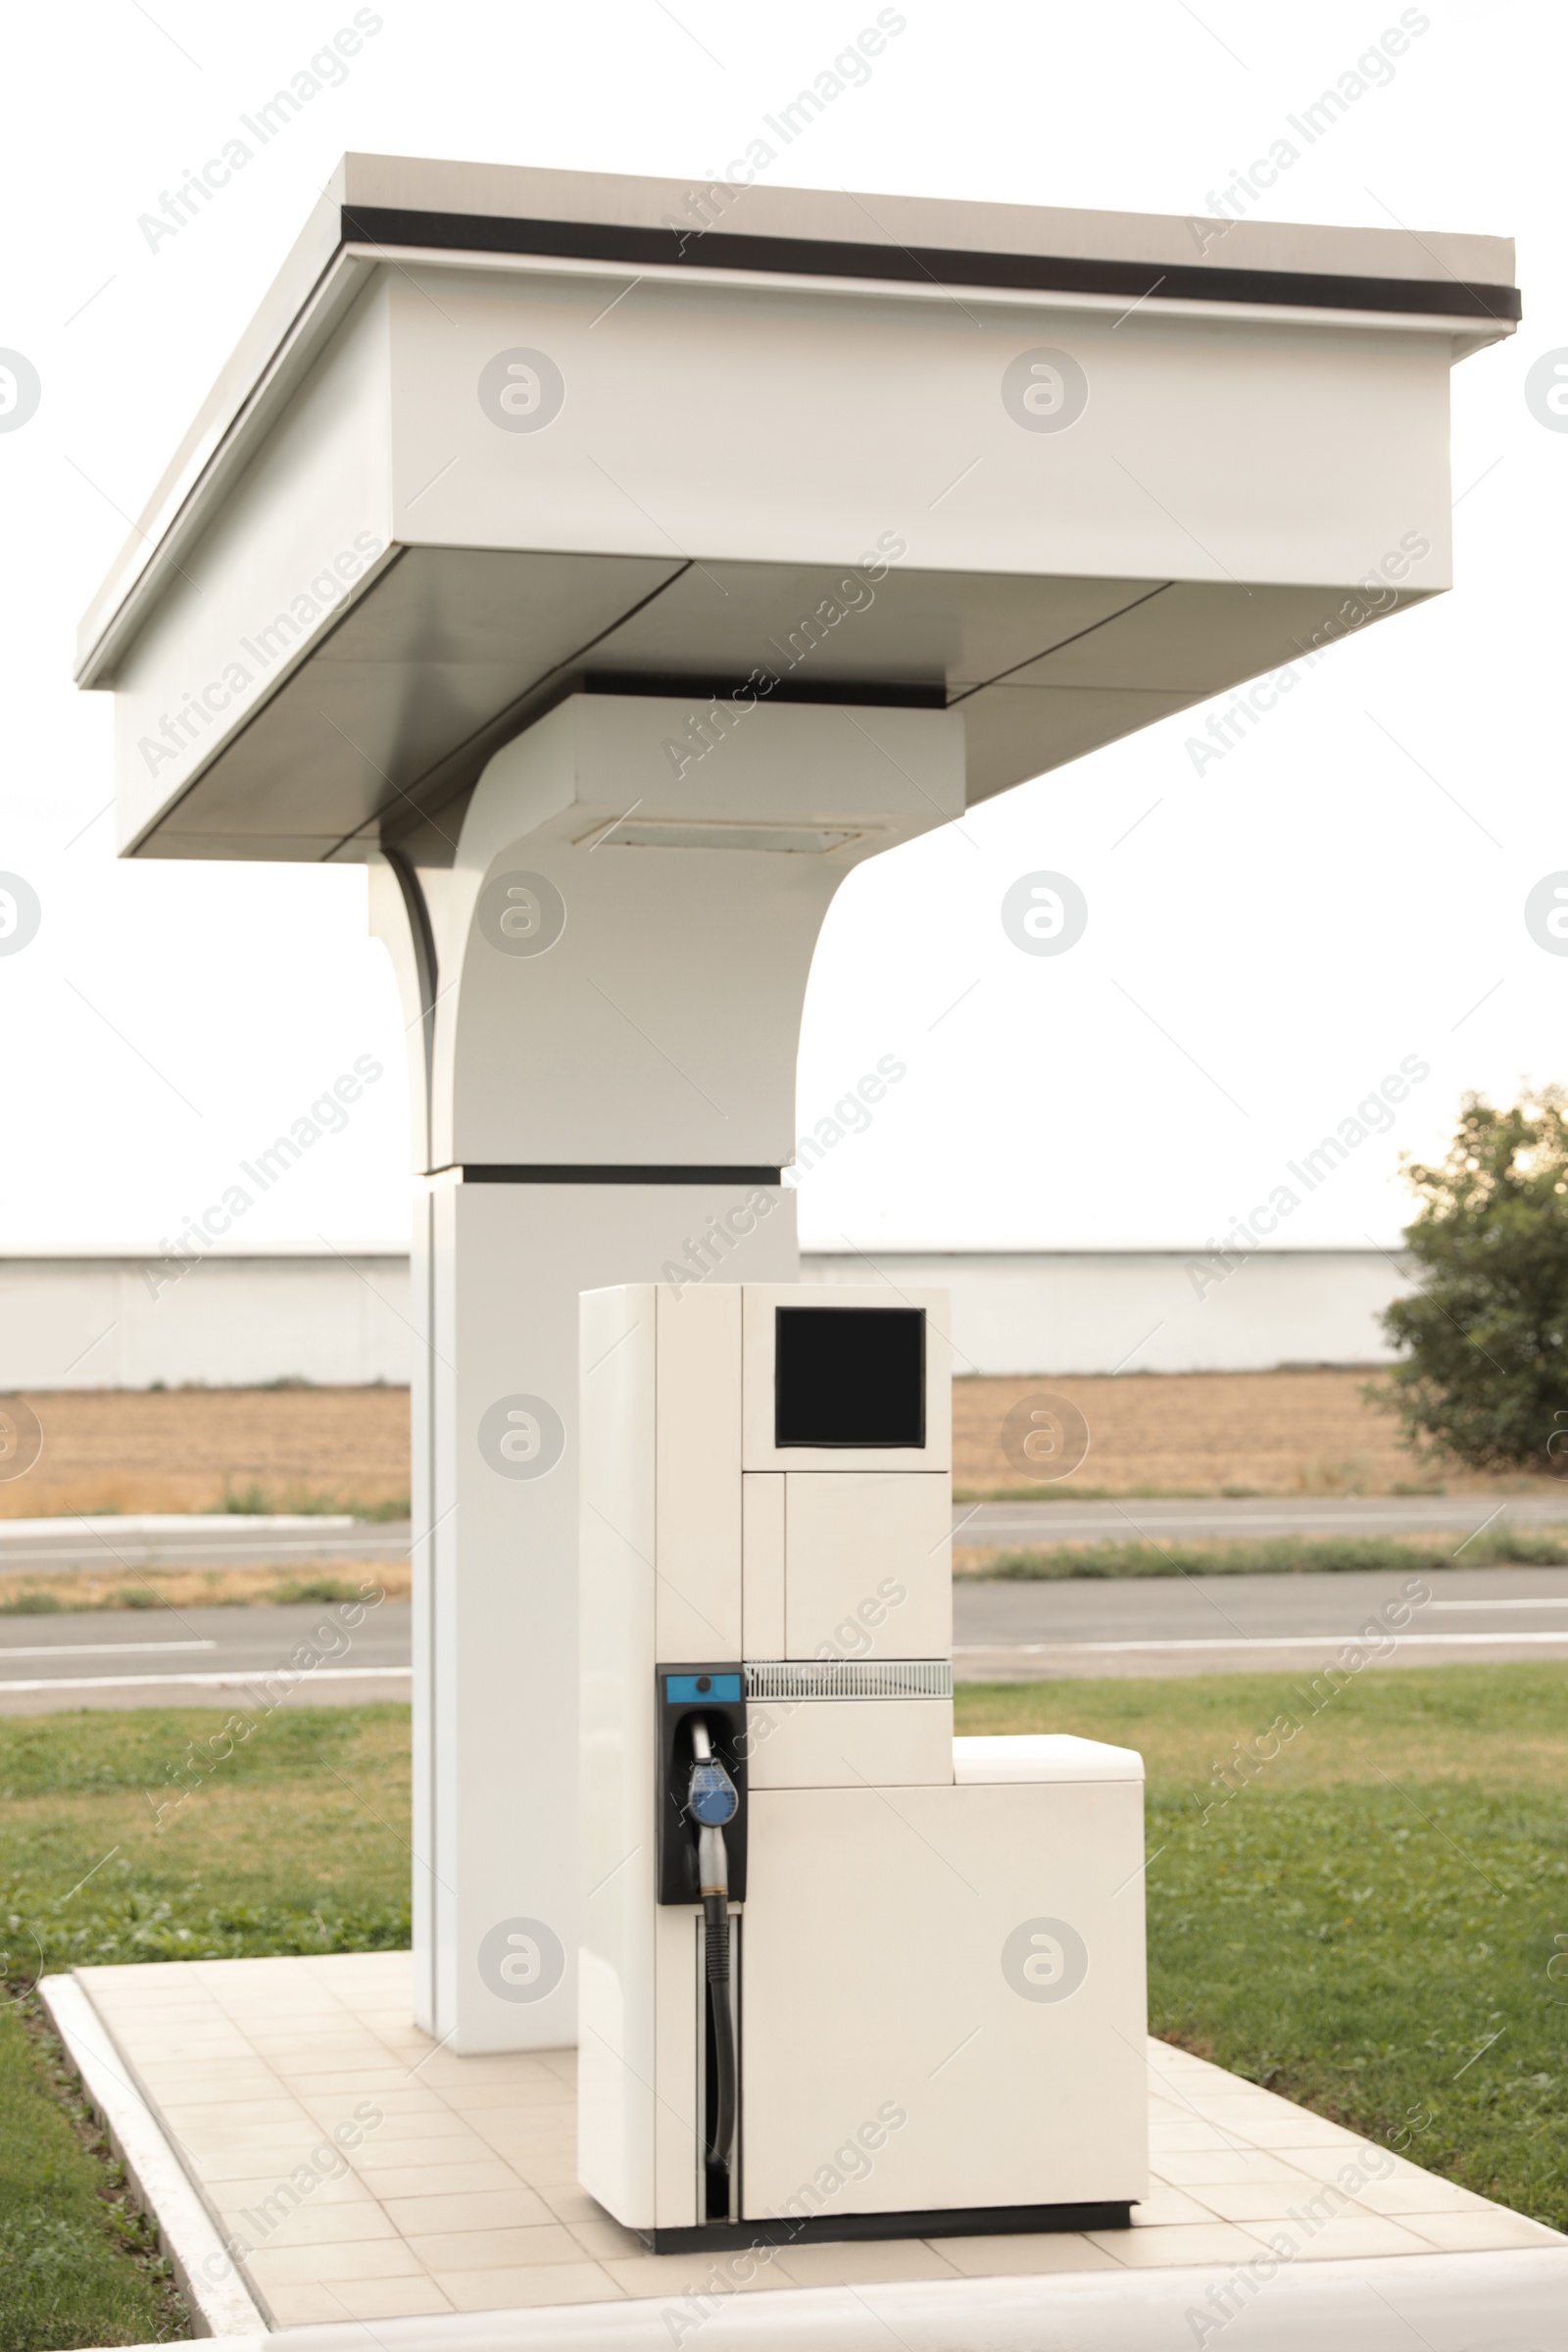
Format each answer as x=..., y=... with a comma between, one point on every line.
x=842, y=1975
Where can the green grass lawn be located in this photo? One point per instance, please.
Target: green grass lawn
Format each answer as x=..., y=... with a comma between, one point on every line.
x=78, y=2265
x=295, y=1841
x=1364, y=1920
x=1361, y=1914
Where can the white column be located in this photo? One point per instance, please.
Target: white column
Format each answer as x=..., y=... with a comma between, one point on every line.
x=611, y=1081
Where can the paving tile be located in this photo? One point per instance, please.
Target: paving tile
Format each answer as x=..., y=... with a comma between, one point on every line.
x=1480, y=2233
x=332, y=2054
x=288, y=2143
x=233, y=2196
x=339, y=2259
x=1230, y=2097
x=550, y=2122
x=201, y=2048
x=1326, y=2164
x=163, y=2017
x=482, y=2209
x=289, y=2024
x=186, y=2085
x=529, y=2094
x=233, y=2114
x=1164, y=2205
x=551, y=2283
x=534, y=2095
x=1263, y=2200
x=1420, y=2193
x=1214, y=2165
x=387, y=2298
x=1164, y=2058
x=246, y=2162
x=542, y=2173
x=437, y=2179
x=522, y=2066
x=396, y=2098
x=399, y=1964
x=1183, y=2242
x=696, y=2274
x=386, y=2150
x=170, y=1999
x=568, y=2201
x=863, y=2262
x=605, y=2238
x=317, y=2225
x=464, y=2195
x=1299, y=2129
x=1026, y=2256
x=535, y=2154
x=416, y=2125
x=1343, y=2237
x=294, y=2013
x=496, y=2249
x=1177, y=2138
x=301, y=2306
x=362, y=1989
x=345, y=2032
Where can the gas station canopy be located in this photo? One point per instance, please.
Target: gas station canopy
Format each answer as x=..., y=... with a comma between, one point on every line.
x=498, y=436
x=745, y=534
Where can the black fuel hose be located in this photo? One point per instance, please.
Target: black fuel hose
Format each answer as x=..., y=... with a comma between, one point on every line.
x=715, y=1916
x=712, y=1802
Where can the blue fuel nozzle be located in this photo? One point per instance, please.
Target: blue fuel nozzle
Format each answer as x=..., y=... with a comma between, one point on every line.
x=713, y=1800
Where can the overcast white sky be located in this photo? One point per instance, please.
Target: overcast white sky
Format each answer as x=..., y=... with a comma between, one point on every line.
x=1314, y=910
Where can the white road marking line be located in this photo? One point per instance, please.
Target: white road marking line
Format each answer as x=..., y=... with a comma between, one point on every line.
x=94, y=1650
x=1547, y=1602
x=212, y=1682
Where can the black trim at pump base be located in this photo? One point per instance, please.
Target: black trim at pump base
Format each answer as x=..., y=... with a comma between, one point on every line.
x=962, y=2221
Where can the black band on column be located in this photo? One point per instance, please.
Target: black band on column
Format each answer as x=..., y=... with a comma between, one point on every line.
x=488, y=1172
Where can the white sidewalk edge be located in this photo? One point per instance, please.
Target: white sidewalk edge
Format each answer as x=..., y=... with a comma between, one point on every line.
x=1378, y=2303
x=220, y=2302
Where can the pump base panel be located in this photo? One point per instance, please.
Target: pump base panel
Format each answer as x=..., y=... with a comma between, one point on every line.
x=963, y=2221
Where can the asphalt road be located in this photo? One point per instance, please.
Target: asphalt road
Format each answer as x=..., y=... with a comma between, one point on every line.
x=1013, y=1632
x=1004, y=1631
x=235, y=1658
x=188, y=1540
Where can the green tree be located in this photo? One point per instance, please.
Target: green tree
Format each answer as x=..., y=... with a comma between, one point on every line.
x=1484, y=1342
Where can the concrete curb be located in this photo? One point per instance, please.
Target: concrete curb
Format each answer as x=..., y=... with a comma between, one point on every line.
x=185, y=2227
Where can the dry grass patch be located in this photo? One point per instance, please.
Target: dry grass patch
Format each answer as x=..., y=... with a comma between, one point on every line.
x=201, y=1587
x=1208, y=1433
x=1201, y=1433
x=203, y=1449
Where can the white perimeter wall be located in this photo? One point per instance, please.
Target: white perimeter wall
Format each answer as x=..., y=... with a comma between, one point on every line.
x=95, y=1322
x=230, y=1322
x=1138, y=1310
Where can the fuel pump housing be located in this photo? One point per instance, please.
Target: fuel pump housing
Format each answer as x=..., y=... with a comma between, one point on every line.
x=930, y=2015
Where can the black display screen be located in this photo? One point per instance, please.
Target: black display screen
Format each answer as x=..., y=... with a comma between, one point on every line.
x=850, y=1376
